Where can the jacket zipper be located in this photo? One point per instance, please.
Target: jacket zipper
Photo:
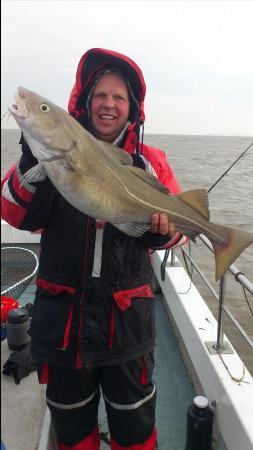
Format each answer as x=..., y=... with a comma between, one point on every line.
x=79, y=363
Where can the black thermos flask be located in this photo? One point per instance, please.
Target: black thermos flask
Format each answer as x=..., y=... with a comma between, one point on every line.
x=17, y=326
x=199, y=425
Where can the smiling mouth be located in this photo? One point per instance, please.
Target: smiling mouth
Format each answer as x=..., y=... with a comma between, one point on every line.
x=107, y=117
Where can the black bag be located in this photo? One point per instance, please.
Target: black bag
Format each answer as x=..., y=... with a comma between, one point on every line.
x=20, y=364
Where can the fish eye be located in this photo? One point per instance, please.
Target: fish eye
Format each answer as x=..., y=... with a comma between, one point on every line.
x=44, y=107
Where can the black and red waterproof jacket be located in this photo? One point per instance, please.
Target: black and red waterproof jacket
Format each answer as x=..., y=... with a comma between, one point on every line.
x=94, y=303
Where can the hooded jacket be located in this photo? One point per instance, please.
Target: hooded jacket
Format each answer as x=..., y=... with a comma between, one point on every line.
x=94, y=303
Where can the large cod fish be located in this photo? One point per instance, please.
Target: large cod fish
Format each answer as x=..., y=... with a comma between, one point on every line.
x=98, y=179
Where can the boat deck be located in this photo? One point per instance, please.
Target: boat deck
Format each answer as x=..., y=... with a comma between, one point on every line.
x=23, y=408
x=23, y=405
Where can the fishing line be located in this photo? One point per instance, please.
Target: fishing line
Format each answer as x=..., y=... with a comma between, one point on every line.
x=190, y=273
x=238, y=380
x=230, y=167
x=5, y=115
x=247, y=300
x=216, y=182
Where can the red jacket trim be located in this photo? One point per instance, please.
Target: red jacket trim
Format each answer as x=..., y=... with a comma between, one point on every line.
x=8, y=174
x=10, y=210
x=79, y=363
x=131, y=140
x=12, y=213
x=124, y=298
x=54, y=288
x=68, y=327
x=100, y=224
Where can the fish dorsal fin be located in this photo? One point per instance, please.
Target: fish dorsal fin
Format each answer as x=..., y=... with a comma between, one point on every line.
x=197, y=199
x=149, y=179
x=116, y=153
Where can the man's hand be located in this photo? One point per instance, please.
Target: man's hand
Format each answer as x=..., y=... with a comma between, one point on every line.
x=161, y=224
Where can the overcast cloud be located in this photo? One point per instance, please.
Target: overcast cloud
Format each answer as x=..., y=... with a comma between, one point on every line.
x=196, y=56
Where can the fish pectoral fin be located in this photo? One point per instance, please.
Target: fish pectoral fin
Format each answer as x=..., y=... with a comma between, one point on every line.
x=133, y=229
x=68, y=166
x=36, y=173
x=197, y=199
x=73, y=162
x=148, y=179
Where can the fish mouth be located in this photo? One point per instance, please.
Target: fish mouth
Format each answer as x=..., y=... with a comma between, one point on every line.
x=19, y=109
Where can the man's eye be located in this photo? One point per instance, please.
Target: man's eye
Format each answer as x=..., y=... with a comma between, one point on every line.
x=99, y=95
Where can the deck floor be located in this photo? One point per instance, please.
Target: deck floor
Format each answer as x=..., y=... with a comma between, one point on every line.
x=23, y=405
x=23, y=408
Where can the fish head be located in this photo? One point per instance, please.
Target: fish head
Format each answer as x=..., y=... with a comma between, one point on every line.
x=48, y=129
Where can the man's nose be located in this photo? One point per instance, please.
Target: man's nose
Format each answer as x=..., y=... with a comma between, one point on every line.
x=109, y=102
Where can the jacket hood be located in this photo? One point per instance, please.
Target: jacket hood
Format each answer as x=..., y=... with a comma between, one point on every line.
x=91, y=63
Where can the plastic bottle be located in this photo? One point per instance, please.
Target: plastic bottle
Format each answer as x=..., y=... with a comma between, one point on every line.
x=17, y=325
x=199, y=425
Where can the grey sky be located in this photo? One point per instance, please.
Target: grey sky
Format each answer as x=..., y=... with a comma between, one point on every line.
x=196, y=56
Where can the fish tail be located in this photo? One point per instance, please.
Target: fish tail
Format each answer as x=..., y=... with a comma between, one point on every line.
x=235, y=241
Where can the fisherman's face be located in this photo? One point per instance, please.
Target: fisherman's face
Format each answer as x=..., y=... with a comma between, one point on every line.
x=110, y=107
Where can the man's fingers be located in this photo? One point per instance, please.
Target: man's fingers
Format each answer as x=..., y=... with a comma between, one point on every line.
x=172, y=230
x=161, y=224
x=155, y=223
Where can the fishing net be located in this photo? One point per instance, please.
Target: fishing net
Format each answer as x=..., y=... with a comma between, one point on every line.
x=18, y=267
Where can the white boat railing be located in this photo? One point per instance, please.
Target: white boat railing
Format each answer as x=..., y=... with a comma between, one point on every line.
x=219, y=345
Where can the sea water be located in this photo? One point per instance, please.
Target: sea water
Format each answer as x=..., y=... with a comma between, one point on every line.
x=198, y=161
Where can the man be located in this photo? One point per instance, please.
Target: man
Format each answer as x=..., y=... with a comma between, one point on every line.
x=93, y=316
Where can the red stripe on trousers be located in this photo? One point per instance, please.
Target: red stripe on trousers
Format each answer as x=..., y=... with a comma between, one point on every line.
x=91, y=442
x=44, y=374
x=144, y=375
x=149, y=444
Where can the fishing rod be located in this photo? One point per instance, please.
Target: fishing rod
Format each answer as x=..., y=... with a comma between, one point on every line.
x=167, y=252
x=230, y=167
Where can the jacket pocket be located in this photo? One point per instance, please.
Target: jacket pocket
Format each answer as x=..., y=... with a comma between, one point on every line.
x=55, y=288
x=53, y=319
x=132, y=318
x=124, y=298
